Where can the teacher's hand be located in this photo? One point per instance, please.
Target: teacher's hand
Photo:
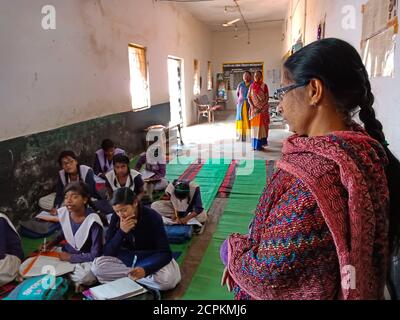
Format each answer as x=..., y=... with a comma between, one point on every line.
x=227, y=280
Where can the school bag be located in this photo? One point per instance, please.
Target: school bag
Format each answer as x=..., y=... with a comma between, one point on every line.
x=178, y=234
x=46, y=287
x=37, y=229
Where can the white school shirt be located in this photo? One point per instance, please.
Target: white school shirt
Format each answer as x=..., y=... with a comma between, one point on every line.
x=2, y=215
x=78, y=240
x=83, y=173
x=113, y=181
x=181, y=205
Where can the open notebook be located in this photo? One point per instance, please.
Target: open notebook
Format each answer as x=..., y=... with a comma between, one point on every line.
x=121, y=289
x=192, y=222
x=45, y=216
x=37, y=266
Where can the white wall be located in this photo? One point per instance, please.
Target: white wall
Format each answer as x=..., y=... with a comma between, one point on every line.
x=80, y=71
x=386, y=90
x=265, y=46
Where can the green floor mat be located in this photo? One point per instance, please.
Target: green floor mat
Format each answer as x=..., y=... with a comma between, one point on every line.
x=134, y=160
x=206, y=283
x=182, y=249
x=177, y=167
x=31, y=245
x=210, y=178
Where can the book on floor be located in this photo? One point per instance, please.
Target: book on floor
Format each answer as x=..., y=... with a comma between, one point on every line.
x=39, y=265
x=191, y=222
x=45, y=216
x=121, y=289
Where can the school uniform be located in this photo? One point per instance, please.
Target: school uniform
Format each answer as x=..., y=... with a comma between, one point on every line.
x=134, y=182
x=11, y=253
x=157, y=171
x=149, y=243
x=56, y=199
x=101, y=164
x=167, y=208
x=84, y=241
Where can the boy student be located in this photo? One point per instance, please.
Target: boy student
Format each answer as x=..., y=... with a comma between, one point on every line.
x=11, y=253
x=104, y=158
x=183, y=203
x=82, y=228
x=136, y=246
x=122, y=177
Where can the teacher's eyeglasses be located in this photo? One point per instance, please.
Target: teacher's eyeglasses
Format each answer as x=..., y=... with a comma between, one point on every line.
x=280, y=93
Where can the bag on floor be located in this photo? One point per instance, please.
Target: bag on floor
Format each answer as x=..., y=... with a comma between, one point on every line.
x=178, y=234
x=45, y=287
x=37, y=229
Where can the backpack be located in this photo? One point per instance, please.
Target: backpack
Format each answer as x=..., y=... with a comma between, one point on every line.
x=178, y=234
x=40, y=288
x=36, y=229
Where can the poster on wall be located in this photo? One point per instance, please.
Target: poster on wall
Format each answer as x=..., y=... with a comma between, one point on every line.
x=233, y=72
x=378, y=45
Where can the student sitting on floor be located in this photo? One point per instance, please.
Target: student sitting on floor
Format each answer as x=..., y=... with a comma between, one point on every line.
x=104, y=158
x=183, y=203
x=153, y=174
x=82, y=228
x=122, y=177
x=136, y=245
x=71, y=171
x=11, y=253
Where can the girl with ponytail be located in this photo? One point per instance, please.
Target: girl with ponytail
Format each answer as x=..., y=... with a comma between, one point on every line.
x=327, y=223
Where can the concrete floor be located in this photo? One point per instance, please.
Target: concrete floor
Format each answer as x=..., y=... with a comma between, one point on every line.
x=218, y=140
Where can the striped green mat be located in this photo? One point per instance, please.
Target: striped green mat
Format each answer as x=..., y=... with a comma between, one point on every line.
x=236, y=218
x=210, y=178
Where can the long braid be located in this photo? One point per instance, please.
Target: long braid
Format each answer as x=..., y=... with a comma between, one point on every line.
x=375, y=129
x=367, y=113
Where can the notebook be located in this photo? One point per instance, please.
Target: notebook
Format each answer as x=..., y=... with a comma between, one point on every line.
x=44, y=215
x=121, y=289
x=147, y=175
x=191, y=222
x=42, y=265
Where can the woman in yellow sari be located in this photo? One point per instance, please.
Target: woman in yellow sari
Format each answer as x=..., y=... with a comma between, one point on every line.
x=242, y=116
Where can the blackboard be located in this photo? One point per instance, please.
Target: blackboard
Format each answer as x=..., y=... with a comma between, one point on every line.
x=233, y=72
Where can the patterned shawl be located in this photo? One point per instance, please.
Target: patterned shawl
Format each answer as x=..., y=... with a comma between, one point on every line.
x=354, y=202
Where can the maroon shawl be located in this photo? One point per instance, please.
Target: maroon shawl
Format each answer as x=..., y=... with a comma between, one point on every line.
x=354, y=202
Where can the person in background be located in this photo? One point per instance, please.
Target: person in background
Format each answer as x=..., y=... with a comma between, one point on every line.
x=182, y=203
x=71, y=171
x=104, y=158
x=242, y=114
x=152, y=166
x=122, y=177
x=259, y=112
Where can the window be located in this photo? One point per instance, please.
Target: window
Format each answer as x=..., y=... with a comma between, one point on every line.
x=139, y=78
x=209, y=78
x=196, y=86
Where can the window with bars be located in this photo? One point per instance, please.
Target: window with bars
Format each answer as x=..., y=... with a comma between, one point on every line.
x=196, y=85
x=139, y=77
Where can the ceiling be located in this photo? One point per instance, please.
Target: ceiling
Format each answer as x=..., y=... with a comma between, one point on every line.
x=256, y=12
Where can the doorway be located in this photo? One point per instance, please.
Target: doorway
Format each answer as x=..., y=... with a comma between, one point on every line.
x=175, y=80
